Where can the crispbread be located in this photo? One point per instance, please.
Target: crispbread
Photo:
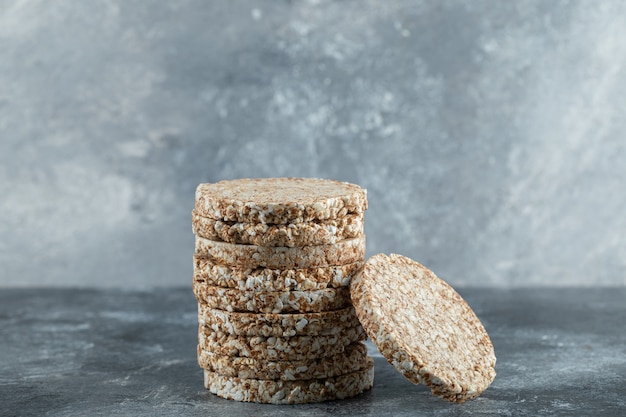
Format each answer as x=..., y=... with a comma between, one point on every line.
x=279, y=200
x=279, y=348
x=280, y=257
x=313, y=233
x=280, y=325
x=267, y=279
x=423, y=327
x=290, y=392
x=230, y=299
x=352, y=359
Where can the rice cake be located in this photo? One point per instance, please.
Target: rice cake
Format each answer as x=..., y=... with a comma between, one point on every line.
x=230, y=299
x=313, y=233
x=280, y=257
x=268, y=279
x=278, y=348
x=352, y=359
x=280, y=325
x=290, y=392
x=279, y=200
x=423, y=327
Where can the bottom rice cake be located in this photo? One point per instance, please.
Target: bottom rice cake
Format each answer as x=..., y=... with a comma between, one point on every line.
x=268, y=279
x=291, y=392
x=280, y=325
x=352, y=359
x=279, y=348
x=231, y=299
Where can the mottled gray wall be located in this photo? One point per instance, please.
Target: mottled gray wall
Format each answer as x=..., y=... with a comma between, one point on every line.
x=489, y=134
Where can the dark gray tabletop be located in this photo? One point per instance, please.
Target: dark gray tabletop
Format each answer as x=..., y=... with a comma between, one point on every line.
x=70, y=352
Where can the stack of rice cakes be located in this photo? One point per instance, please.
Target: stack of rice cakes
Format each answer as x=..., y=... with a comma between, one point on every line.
x=272, y=268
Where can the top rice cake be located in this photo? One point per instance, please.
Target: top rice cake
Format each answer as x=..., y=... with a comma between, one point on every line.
x=279, y=200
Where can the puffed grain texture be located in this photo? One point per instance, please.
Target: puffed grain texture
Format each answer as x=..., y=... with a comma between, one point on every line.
x=279, y=200
x=423, y=327
x=295, y=348
x=322, y=232
x=271, y=279
x=352, y=359
x=280, y=325
x=280, y=257
x=290, y=392
x=314, y=301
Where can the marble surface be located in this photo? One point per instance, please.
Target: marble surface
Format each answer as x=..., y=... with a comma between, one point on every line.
x=488, y=131
x=64, y=352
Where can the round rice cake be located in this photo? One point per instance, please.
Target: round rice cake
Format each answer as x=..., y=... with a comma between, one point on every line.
x=352, y=359
x=279, y=200
x=278, y=348
x=279, y=325
x=280, y=257
x=322, y=232
x=290, y=392
x=423, y=327
x=230, y=299
x=272, y=279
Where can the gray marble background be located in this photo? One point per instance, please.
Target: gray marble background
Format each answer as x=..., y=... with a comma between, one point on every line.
x=489, y=134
